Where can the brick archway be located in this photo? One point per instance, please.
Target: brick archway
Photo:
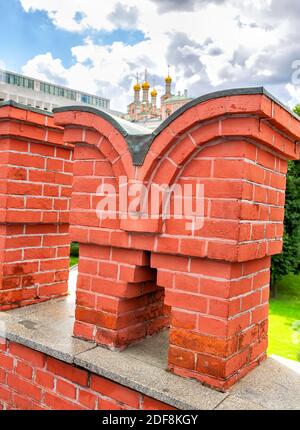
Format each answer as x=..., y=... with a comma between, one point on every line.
x=216, y=280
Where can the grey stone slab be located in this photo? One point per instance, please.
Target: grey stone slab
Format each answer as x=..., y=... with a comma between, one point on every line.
x=61, y=305
x=234, y=403
x=47, y=327
x=151, y=380
x=5, y=320
x=48, y=338
x=152, y=351
x=60, y=315
x=273, y=385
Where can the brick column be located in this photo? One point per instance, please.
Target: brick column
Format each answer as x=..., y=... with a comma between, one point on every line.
x=219, y=316
x=236, y=145
x=118, y=301
x=35, y=187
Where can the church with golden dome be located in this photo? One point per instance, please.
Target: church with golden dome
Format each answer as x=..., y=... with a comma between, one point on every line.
x=144, y=108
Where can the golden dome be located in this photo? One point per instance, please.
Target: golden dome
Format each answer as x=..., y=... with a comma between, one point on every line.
x=145, y=85
x=153, y=93
x=168, y=79
x=137, y=87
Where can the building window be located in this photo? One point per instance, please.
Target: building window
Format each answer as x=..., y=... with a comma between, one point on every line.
x=20, y=81
x=57, y=91
x=85, y=99
x=94, y=100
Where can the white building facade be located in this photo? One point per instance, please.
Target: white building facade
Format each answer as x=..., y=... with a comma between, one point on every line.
x=44, y=95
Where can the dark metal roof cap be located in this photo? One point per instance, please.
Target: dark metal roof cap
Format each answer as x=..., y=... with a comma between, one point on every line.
x=139, y=138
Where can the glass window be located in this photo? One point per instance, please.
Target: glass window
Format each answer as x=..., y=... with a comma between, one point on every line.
x=85, y=98
x=57, y=91
x=13, y=79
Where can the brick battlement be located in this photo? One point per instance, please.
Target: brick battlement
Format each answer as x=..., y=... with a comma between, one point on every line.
x=36, y=178
x=139, y=274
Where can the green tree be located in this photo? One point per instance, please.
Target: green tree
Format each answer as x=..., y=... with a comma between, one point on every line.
x=297, y=109
x=289, y=260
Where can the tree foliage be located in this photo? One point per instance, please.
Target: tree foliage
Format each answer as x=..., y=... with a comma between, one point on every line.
x=297, y=109
x=289, y=260
x=74, y=249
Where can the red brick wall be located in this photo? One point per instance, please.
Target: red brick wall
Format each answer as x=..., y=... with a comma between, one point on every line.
x=30, y=380
x=35, y=189
x=137, y=276
x=216, y=279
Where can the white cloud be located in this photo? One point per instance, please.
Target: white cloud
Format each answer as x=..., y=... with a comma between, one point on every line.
x=294, y=92
x=45, y=67
x=104, y=70
x=94, y=14
x=225, y=43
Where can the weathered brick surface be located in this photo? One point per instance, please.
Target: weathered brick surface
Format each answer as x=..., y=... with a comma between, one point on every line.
x=30, y=380
x=137, y=276
x=35, y=190
x=117, y=296
x=214, y=281
x=219, y=317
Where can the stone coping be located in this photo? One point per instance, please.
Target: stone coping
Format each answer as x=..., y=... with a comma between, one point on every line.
x=139, y=138
x=17, y=105
x=47, y=327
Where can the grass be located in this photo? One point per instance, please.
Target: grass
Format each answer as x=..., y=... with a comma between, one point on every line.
x=74, y=253
x=73, y=261
x=284, y=311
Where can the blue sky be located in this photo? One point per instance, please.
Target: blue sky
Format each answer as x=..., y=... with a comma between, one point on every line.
x=31, y=34
x=98, y=46
x=34, y=33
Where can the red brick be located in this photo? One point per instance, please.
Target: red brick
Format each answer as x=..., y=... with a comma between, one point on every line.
x=211, y=268
x=260, y=313
x=3, y=344
x=24, y=387
x=135, y=273
x=150, y=404
x=229, y=168
x=187, y=320
x=87, y=399
x=5, y=394
x=193, y=247
x=130, y=256
x=169, y=262
x=249, y=336
x=203, y=343
x=165, y=244
x=216, y=288
x=165, y=278
x=186, y=301
x=35, y=358
x=182, y=358
x=186, y=283
x=251, y=300
x=6, y=361
x=59, y=403
x=115, y=391
x=68, y=372
x=212, y=326
x=266, y=159
x=45, y=379
x=196, y=166
x=22, y=402
x=66, y=389
x=110, y=405
x=24, y=370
